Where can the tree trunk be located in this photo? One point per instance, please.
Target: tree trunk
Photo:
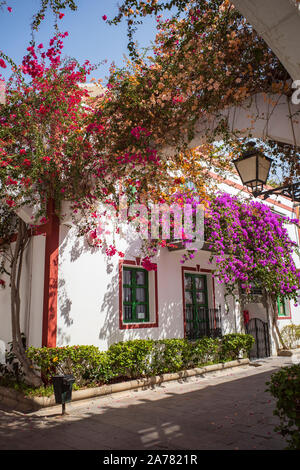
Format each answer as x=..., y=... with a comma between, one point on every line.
x=242, y=308
x=273, y=302
x=30, y=376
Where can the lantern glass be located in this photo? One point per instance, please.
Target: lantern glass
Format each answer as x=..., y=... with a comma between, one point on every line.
x=264, y=165
x=247, y=169
x=253, y=169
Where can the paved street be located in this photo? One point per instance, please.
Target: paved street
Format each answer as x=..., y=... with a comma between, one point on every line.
x=225, y=410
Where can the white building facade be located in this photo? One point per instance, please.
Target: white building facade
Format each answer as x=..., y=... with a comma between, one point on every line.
x=74, y=294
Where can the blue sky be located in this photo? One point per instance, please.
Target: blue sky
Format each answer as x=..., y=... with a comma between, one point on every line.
x=89, y=36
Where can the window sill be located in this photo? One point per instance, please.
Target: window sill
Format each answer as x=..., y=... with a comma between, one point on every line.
x=129, y=326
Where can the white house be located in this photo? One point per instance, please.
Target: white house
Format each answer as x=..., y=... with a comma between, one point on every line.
x=72, y=293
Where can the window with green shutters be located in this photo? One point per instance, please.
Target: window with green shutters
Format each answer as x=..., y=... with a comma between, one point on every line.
x=195, y=290
x=282, y=307
x=196, y=305
x=135, y=295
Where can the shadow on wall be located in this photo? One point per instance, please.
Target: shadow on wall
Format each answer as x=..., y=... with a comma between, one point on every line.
x=106, y=304
x=71, y=248
x=230, y=310
x=63, y=301
x=170, y=313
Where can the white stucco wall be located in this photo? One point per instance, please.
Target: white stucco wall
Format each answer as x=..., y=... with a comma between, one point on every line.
x=34, y=311
x=31, y=293
x=88, y=298
x=88, y=292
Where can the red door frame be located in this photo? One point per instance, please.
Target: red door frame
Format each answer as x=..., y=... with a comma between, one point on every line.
x=198, y=270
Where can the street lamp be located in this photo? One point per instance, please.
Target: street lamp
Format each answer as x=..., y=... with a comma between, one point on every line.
x=253, y=168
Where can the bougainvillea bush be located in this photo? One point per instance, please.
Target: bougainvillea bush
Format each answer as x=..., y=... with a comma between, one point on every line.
x=206, y=56
x=57, y=143
x=251, y=246
x=249, y=243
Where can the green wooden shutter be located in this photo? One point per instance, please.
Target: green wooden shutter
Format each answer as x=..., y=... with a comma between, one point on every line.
x=196, y=304
x=135, y=295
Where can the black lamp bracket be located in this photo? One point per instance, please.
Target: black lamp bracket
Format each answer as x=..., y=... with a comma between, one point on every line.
x=292, y=191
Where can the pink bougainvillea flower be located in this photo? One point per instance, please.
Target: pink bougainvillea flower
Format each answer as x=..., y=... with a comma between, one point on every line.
x=10, y=202
x=148, y=265
x=61, y=15
x=2, y=64
x=93, y=234
x=9, y=9
x=40, y=46
x=104, y=17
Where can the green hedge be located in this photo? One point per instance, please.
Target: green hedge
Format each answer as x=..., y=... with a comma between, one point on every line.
x=234, y=344
x=285, y=387
x=136, y=358
x=81, y=361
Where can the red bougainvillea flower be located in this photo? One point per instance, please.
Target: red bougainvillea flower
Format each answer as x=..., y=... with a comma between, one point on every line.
x=2, y=64
x=9, y=9
x=61, y=15
x=148, y=265
x=104, y=17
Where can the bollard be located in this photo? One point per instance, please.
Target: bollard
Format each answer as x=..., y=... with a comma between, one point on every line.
x=62, y=385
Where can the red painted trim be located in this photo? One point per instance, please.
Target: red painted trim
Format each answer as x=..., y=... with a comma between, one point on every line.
x=49, y=328
x=121, y=261
x=298, y=217
x=126, y=326
x=199, y=270
x=281, y=317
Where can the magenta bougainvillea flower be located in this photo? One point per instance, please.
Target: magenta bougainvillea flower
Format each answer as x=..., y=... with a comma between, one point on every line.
x=251, y=246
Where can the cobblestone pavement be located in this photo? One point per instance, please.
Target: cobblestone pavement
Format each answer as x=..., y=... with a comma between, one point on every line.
x=225, y=410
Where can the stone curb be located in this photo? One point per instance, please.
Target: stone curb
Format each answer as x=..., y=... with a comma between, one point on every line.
x=17, y=400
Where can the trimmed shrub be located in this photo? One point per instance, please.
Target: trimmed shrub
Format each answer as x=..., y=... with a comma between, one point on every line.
x=235, y=345
x=136, y=358
x=168, y=356
x=77, y=360
x=131, y=359
x=205, y=351
x=285, y=387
